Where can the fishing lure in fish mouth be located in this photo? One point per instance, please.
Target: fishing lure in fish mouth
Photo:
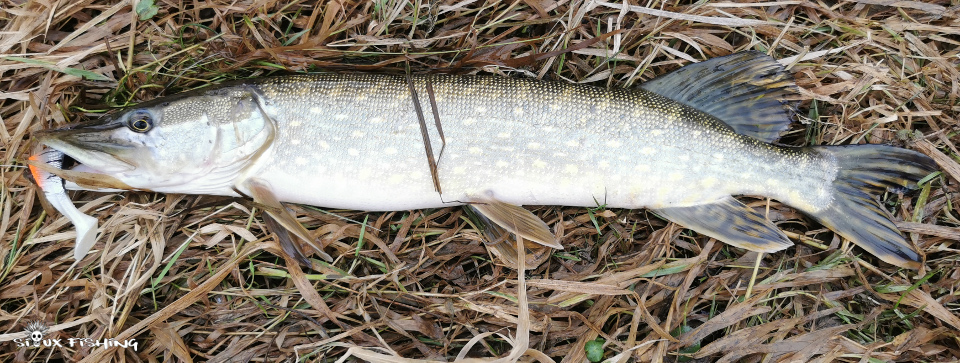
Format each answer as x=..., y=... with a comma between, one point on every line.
x=52, y=187
x=682, y=145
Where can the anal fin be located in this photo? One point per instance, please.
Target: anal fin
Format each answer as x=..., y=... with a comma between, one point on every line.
x=518, y=221
x=279, y=215
x=731, y=222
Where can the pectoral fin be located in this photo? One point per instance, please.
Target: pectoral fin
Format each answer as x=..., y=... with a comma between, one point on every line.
x=279, y=215
x=287, y=244
x=518, y=221
x=731, y=222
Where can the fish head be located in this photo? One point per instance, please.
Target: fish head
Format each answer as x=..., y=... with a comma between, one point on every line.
x=186, y=143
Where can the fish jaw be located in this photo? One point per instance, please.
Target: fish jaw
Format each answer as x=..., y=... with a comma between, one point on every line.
x=88, y=146
x=107, y=158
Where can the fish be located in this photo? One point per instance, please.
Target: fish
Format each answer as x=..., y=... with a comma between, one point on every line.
x=682, y=145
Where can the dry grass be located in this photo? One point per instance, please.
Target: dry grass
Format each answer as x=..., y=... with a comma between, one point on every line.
x=197, y=278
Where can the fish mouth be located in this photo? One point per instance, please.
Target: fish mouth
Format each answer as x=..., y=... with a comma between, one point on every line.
x=90, y=147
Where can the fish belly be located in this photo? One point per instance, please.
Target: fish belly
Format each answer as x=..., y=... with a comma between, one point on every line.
x=356, y=143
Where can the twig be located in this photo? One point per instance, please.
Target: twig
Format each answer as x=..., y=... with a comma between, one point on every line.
x=426, y=135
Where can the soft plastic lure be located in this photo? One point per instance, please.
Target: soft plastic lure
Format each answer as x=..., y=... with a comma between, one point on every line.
x=53, y=189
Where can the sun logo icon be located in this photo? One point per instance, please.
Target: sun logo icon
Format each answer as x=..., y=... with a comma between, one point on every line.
x=37, y=330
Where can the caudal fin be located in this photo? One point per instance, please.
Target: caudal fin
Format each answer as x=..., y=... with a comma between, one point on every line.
x=865, y=170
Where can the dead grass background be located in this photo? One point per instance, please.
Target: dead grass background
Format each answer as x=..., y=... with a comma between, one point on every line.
x=197, y=278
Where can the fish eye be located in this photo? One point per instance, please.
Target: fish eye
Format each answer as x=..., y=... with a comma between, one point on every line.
x=140, y=121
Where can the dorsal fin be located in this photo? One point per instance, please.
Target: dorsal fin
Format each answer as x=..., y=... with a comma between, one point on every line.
x=745, y=90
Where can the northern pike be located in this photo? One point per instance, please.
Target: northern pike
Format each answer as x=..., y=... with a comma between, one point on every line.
x=683, y=145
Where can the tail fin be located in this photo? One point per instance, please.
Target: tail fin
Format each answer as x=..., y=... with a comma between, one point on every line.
x=855, y=214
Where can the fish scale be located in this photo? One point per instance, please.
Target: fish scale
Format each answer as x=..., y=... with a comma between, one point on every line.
x=581, y=147
x=681, y=144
